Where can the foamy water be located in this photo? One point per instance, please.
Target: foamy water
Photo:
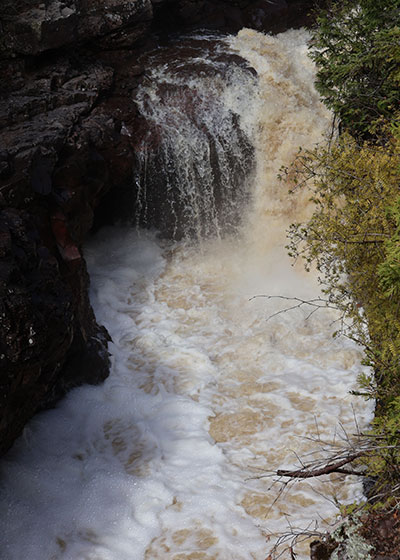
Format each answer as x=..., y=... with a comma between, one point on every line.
x=165, y=460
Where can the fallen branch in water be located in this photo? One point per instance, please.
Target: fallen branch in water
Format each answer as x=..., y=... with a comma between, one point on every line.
x=336, y=467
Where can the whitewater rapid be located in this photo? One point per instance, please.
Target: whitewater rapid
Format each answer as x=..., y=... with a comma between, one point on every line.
x=208, y=393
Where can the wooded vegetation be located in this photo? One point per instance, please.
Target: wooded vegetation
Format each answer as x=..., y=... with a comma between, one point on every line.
x=356, y=49
x=353, y=236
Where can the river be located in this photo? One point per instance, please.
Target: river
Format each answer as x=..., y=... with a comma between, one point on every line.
x=172, y=457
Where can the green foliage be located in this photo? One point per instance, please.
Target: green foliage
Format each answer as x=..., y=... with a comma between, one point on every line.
x=353, y=239
x=356, y=47
x=389, y=269
x=383, y=463
x=353, y=236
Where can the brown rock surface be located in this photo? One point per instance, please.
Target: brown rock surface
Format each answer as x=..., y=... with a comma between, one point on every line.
x=379, y=530
x=382, y=532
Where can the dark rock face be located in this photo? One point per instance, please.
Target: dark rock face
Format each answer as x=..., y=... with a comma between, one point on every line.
x=68, y=134
x=230, y=15
x=32, y=27
x=41, y=321
x=60, y=153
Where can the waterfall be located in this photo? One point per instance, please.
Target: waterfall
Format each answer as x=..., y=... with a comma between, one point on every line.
x=194, y=155
x=172, y=457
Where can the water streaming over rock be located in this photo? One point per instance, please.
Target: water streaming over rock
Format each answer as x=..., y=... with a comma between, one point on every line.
x=194, y=158
x=205, y=395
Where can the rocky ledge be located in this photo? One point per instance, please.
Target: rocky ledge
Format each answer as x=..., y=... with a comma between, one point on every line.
x=68, y=72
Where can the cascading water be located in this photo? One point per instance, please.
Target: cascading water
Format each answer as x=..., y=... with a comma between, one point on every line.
x=164, y=460
x=194, y=159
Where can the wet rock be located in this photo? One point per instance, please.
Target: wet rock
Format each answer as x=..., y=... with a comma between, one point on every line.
x=49, y=339
x=36, y=318
x=44, y=317
x=190, y=183
x=267, y=15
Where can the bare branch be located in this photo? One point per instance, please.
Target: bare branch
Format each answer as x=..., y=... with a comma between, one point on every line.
x=316, y=303
x=306, y=472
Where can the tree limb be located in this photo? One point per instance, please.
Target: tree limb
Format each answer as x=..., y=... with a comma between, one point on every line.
x=306, y=472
